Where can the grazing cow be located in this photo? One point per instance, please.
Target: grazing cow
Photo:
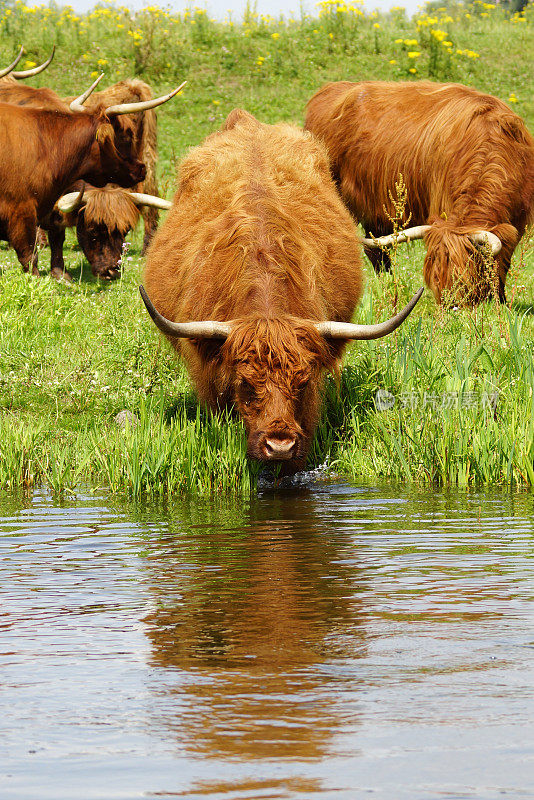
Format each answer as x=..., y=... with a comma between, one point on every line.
x=102, y=245
x=259, y=248
x=144, y=142
x=467, y=162
x=103, y=218
x=43, y=152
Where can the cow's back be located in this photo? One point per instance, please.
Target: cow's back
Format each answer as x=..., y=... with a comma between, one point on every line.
x=444, y=139
x=20, y=95
x=256, y=215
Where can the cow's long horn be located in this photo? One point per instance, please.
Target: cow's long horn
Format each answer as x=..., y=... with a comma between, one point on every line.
x=345, y=330
x=12, y=66
x=487, y=237
x=204, y=329
x=77, y=103
x=407, y=235
x=144, y=105
x=150, y=200
x=71, y=202
x=29, y=73
x=410, y=234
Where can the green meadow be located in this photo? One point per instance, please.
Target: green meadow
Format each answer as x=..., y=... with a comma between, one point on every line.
x=456, y=386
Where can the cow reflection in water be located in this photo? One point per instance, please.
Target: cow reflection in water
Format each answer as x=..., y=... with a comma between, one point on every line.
x=249, y=621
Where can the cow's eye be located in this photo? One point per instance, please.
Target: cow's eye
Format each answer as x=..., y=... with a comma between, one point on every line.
x=248, y=392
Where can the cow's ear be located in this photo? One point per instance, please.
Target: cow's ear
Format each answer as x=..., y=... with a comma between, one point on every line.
x=104, y=133
x=210, y=350
x=332, y=353
x=238, y=117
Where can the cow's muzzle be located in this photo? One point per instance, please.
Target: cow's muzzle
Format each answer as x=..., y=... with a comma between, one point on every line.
x=275, y=448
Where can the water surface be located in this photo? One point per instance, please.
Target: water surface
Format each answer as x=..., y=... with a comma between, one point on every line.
x=326, y=642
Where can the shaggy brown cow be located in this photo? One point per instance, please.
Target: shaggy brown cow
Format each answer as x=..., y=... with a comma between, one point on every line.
x=466, y=159
x=106, y=216
x=42, y=152
x=142, y=129
x=258, y=240
x=102, y=235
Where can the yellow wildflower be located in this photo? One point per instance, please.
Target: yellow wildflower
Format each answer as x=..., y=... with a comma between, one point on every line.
x=393, y=61
x=413, y=54
x=412, y=70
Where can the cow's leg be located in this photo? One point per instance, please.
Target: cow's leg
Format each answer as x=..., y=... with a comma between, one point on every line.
x=503, y=265
x=42, y=239
x=56, y=238
x=22, y=234
x=378, y=257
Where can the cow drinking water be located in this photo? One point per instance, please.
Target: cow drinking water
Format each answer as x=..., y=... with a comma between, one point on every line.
x=254, y=277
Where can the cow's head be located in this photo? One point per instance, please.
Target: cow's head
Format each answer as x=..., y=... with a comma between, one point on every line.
x=103, y=219
x=113, y=157
x=274, y=368
x=271, y=368
x=459, y=264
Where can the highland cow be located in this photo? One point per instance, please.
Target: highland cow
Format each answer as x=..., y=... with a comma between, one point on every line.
x=255, y=275
x=102, y=235
x=42, y=152
x=467, y=162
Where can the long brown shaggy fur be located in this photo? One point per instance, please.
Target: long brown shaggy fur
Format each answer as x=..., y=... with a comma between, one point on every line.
x=467, y=161
x=21, y=95
x=257, y=234
x=145, y=141
x=112, y=208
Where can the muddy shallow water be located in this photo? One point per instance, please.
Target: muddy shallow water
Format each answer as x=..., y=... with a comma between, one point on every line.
x=322, y=642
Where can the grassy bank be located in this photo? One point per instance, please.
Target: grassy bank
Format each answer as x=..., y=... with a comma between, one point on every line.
x=457, y=386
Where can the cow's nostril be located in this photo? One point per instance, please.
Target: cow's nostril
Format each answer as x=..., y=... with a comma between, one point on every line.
x=280, y=449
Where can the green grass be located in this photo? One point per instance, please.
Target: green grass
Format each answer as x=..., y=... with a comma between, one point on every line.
x=72, y=357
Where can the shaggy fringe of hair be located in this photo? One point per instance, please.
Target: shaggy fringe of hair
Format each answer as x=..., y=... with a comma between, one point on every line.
x=111, y=207
x=456, y=270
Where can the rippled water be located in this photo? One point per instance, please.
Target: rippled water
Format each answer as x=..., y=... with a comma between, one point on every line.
x=325, y=642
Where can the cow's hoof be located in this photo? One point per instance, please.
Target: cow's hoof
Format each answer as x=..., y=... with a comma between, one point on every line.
x=61, y=275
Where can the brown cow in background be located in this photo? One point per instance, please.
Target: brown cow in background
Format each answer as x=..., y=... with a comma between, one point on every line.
x=467, y=162
x=102, y=222
x=102, y=218
x=260, y=250
x=43, y=152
